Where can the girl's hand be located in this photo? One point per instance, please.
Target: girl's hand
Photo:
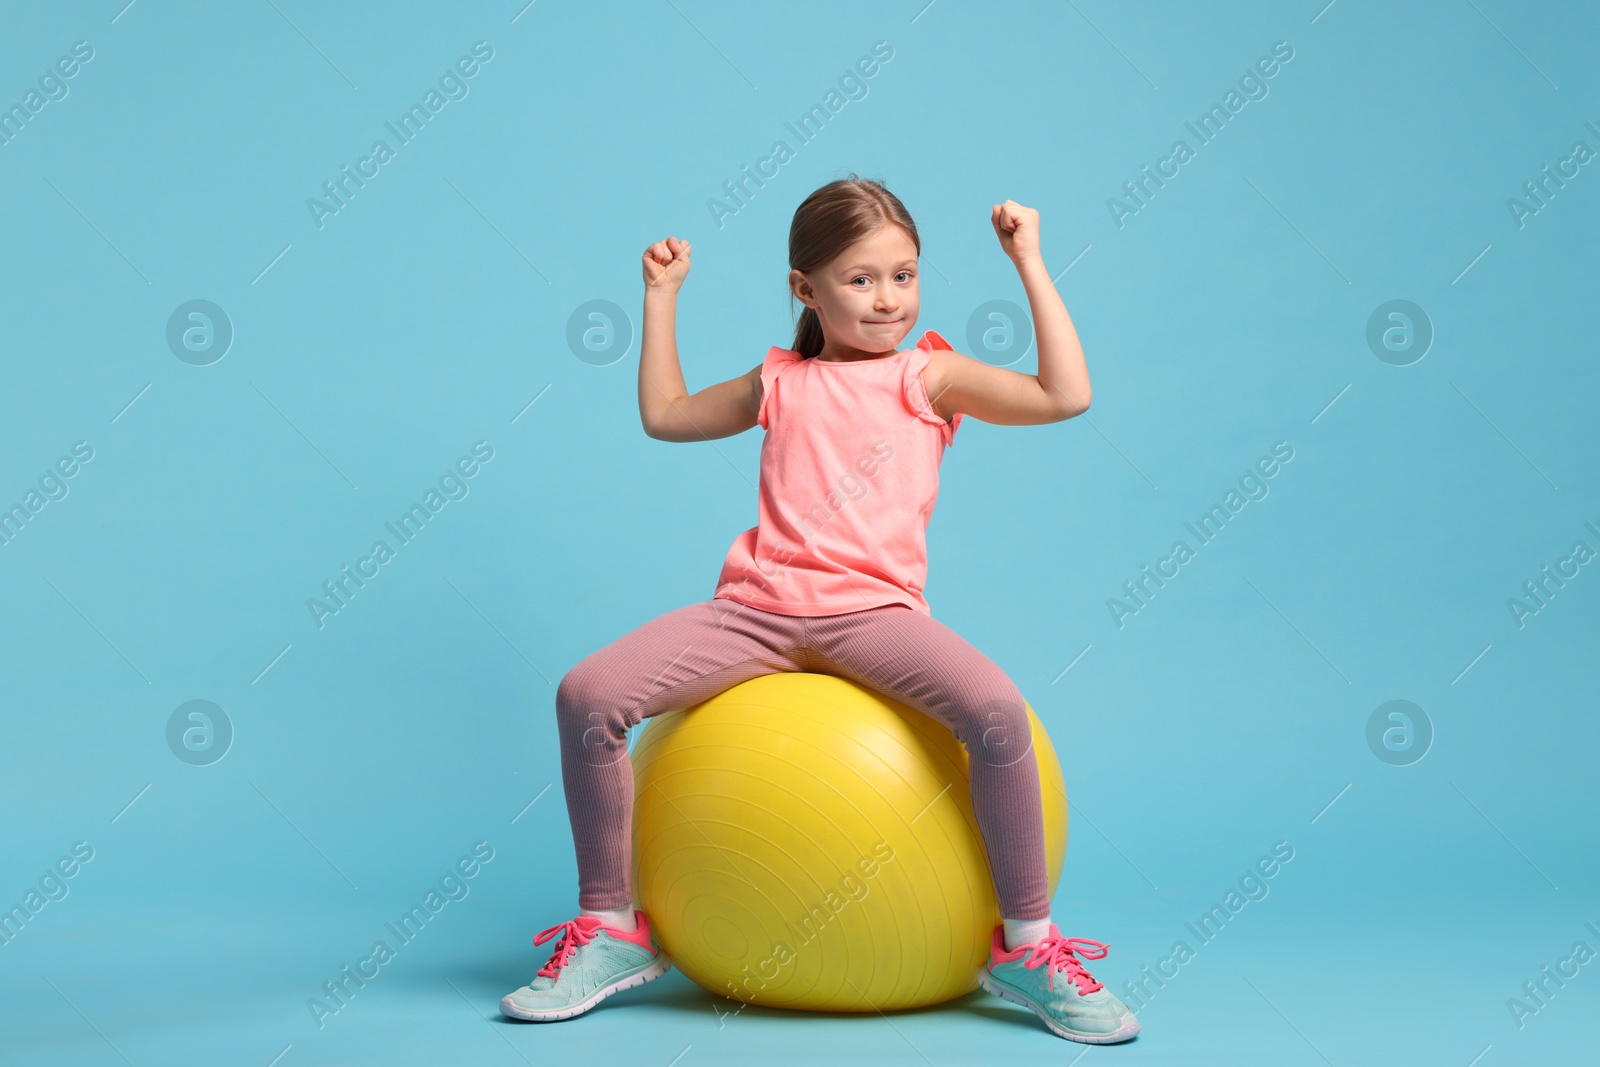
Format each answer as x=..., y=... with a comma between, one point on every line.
x=666, y=264
x=1018, y=230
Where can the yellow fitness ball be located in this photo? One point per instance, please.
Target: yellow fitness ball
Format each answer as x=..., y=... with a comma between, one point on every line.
x=801, y=842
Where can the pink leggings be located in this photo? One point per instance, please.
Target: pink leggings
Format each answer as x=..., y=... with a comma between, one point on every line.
x=693, y=653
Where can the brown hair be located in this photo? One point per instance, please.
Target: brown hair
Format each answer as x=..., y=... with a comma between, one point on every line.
x=829, y=221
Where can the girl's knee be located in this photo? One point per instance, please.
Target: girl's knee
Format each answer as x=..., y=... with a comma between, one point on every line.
x=586, y=710
x=996, y=729
x=575, y=690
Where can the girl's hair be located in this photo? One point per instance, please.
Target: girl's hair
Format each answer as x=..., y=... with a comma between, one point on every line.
x=829, y=221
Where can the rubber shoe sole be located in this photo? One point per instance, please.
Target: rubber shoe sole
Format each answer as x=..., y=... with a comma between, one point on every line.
x=1005, y=993
x=655, y=970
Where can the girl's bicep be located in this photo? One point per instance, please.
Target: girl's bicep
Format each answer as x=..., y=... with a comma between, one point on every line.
x=720, y=410
x=997, y=395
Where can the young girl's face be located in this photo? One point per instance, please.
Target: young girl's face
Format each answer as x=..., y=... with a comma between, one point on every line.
x=866, y=296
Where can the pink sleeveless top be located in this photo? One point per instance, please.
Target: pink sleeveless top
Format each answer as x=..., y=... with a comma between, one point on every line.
x=849, y=476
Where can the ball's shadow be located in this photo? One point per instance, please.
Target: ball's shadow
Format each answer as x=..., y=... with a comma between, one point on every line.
x=683, y=996
x=674, y=993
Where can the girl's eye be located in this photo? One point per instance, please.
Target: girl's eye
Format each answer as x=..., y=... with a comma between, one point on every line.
x=906, y=273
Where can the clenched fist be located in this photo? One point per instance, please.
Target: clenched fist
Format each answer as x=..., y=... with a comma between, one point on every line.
x=666, y=264
x=1018, y=230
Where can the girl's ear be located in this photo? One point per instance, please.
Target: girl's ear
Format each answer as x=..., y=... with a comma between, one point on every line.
x=801, y=288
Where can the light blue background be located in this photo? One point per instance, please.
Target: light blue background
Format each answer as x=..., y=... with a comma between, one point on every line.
x=1228, y=314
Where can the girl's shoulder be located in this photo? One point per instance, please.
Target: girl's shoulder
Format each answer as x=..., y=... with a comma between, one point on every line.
x=928, y=356
x=780, y=356
x=931, y=358
x=926, y=378
x=772, y=365
x=933, y=341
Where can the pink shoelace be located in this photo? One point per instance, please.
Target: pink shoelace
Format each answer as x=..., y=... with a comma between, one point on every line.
x=1061, y=954
x=573, y=932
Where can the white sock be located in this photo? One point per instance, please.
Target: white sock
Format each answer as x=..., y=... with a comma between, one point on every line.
x=1025, y=931
x=621, y=918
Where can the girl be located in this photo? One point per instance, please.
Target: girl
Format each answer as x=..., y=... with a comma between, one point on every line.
x=830, y=581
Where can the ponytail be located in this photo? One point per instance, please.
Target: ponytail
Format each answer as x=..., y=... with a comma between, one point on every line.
x=808, y=333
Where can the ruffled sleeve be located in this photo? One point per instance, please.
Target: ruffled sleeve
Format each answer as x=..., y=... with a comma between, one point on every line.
x=777, y=359
x=916, y=390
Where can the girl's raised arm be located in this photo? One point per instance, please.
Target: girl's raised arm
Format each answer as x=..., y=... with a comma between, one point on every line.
x=666, y=409
x=1011, y=398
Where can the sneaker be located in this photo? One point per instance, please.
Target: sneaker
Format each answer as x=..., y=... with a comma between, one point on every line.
x=1080, y=1008
x=591, y=961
